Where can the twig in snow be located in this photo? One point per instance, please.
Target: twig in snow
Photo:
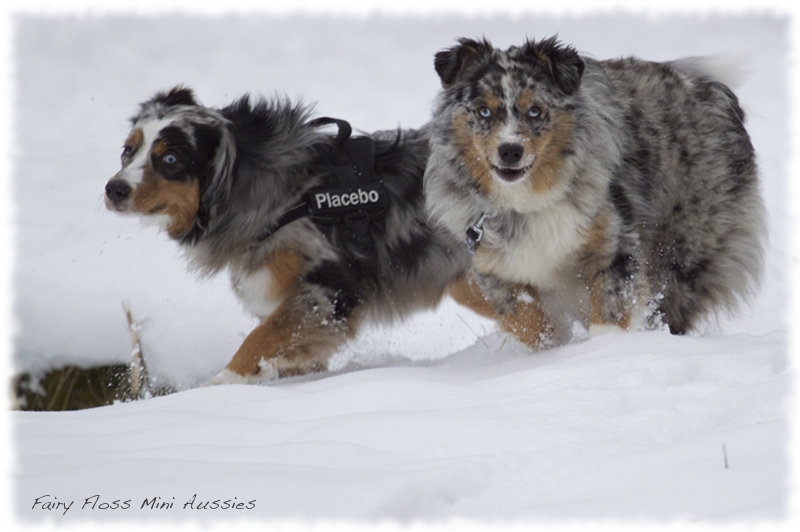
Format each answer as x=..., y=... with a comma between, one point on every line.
x=502, y=344
x=470, y=330
x=140, y=385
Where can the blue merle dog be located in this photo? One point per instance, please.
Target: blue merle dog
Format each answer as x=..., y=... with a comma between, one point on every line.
x=594, y=193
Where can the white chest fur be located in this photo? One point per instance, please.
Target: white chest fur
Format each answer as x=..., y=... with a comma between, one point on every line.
x=253, y=290
x=541, y=253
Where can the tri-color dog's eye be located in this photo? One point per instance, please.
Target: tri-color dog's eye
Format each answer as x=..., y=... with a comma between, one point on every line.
x=485, y=112
x=126, y=151
x=169, y=158
x=535, y=112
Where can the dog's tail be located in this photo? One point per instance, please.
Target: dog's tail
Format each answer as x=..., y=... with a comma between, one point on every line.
x=729, y=69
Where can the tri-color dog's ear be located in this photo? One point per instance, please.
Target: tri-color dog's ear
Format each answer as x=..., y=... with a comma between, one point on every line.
x=563, y=62
x=218, y=182
x=162, y=101
x=179, y=95
x=451, y=64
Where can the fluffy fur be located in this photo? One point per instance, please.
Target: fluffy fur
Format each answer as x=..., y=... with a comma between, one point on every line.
x=620, y=192
x=216, y=179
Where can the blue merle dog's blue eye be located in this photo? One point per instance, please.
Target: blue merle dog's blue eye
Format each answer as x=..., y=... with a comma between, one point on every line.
x=485, y=112
x=169, y=158
x=535, y=112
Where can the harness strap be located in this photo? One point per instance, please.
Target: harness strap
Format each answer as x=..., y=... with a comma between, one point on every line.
x=295, y=213
x=344, y=128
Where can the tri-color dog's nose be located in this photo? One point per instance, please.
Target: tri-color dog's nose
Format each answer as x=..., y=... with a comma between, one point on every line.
x=117, y=190
x=510, y=153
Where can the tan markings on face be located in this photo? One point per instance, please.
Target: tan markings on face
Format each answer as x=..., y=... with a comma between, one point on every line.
x=160, y=147
x=285, y=267
x=135, y=139
x=177, y=199
x=489, y=141
x=491, y=101
x=525, y=101
x=549, y=149
x=472, y=147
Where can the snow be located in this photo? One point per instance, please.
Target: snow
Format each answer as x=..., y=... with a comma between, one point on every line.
x=584, y=432
x=435, y=420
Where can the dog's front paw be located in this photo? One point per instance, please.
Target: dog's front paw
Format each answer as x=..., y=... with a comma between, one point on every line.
x=226, y=376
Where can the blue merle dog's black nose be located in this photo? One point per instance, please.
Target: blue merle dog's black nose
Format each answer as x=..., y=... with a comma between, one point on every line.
x=510, y=154
x=117, y=190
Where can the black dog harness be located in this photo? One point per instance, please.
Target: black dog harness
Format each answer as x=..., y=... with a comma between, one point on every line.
x=350, y=197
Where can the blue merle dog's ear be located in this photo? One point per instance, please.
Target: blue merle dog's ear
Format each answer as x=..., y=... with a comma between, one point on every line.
x=179, y=95
x=562, y=62
x=451, y=64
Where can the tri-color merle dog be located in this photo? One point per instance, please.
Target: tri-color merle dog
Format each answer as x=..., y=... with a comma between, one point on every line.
x=620, y=192
x=320, y=233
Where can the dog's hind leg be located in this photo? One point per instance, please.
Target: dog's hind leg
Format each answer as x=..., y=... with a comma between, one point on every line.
x=297, y=338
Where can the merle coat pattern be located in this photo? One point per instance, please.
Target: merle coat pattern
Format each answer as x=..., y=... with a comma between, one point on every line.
x=620, y=192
